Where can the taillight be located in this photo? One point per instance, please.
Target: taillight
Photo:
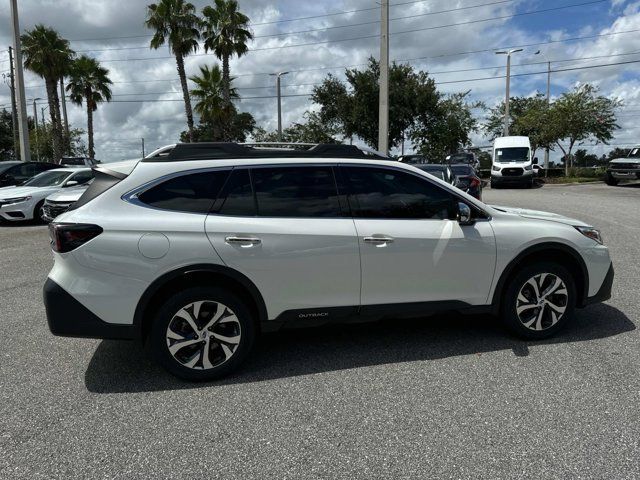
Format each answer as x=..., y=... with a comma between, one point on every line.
x=69, y=236
x=475, y=182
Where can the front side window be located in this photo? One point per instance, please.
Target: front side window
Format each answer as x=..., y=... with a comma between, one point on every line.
x=388, y=193
x=82, y=177
x=296, y=192
x=193, y=193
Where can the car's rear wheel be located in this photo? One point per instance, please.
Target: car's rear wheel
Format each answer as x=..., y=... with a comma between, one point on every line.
x=539, y=301
x=202, y=333
x=610, y=180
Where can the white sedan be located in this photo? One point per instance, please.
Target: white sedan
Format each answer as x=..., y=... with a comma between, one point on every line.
x=26, y=201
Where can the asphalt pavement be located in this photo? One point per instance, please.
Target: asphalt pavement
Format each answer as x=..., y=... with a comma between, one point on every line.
x=444, y=397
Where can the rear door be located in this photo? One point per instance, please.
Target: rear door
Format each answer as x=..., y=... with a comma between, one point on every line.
x=285, y=228
x=412, y=248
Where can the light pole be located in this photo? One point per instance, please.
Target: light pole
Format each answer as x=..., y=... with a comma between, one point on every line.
x=383, y=95
x=23, y=131
x=278, y=75
x=508, y=53
x=546, y=150
x=35, y=127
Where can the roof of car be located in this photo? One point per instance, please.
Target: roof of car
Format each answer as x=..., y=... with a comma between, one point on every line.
x=229, y=150
x=70, y=169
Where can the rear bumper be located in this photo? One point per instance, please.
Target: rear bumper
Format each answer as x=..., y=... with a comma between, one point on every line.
x=69, y=318
x=604, y=293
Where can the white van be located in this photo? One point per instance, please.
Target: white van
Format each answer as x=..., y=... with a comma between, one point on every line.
x=512, y=162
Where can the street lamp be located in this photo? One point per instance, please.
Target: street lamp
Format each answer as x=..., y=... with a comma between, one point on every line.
x=546, y=150
x=278, y=75
x=508, y=53
x=35, y=126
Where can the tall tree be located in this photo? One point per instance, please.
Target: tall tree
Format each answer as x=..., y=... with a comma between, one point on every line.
x=313, y=130
x=175, y=23
x=581, y=115
x=226, y=33
x=529, y=116
x=209, y=92
x=89, y=83
x=48, y=55
x=352, y=108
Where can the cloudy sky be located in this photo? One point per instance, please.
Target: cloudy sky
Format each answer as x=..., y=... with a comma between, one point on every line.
x=454, y=40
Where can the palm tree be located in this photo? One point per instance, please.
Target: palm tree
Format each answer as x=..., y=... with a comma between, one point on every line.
x=226, y=33
x=176, y=24
x=89, y=83
x=48, y=55
x=209, y=93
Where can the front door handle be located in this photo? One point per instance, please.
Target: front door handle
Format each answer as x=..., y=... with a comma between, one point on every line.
x=244, y=241
x=378, y=239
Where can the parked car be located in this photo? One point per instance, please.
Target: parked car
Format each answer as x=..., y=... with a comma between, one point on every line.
x=512, y=163
x=202, y=250
x=59, y=202
x=443, y=172
x=26, y=202
x=467, y=158
x=79, y=161
x=626, y=168
x=14, y=173
x=468, y=180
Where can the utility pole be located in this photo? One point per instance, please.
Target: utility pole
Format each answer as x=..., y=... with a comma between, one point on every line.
x=142, y=147
x=35, y=127
x=64, y=116
x=14, y=110
x=278, y=75
x=508, y=53
x=383, y=101
x=546, y=150
x=25, y=154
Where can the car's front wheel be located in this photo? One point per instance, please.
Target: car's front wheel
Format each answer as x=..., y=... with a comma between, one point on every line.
x=611, y=180
x=202, y=333
x=38, y=213
x=540, y=300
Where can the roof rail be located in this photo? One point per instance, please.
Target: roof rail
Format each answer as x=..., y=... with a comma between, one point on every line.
x=226, y=150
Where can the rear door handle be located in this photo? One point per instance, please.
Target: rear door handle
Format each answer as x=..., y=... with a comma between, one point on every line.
x=378, y=239
x=245, y=241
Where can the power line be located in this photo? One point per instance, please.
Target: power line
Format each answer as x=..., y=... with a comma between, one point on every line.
x=324, y=42
x=373, y=22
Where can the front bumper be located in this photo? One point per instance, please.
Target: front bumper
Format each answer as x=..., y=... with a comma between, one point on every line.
x=626, y=174
x=512, y=180
x=604, y=293
x=69, y=318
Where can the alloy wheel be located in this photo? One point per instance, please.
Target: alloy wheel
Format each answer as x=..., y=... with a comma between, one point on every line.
x=203, y=335
x=542, y=301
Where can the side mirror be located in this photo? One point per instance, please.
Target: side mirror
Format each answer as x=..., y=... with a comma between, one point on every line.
x=535, y=160
x=71, y=183
x=464, y=214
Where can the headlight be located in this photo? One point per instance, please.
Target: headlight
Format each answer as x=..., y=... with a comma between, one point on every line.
x=11, y=201
x=495, y=169
x=592, y=233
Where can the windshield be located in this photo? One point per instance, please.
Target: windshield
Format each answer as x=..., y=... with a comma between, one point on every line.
x=512, y=154
x=461, y=170
x=48, y=179
x=635, y=153
x=461, y=157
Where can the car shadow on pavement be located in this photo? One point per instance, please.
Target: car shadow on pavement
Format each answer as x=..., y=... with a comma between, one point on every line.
x=119, y=367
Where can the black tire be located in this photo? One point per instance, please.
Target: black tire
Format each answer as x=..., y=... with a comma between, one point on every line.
x=37, y=213
x=495, y=185
x=609, y=180
x=166, y=316
x=511, y=301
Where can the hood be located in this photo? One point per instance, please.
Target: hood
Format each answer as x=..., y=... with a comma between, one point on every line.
x=68, y=194
x=13, y=192
x=625, y=160
x=540, y=215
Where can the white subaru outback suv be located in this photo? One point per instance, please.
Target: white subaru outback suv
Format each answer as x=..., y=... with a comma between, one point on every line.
x=201, y=250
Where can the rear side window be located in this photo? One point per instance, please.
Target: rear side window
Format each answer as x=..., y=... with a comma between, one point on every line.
x=296, y=192
x=387, y=193
x=193, y=193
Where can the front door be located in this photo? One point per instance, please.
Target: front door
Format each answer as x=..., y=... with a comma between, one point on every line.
x=412, y=248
